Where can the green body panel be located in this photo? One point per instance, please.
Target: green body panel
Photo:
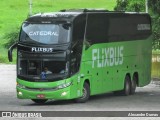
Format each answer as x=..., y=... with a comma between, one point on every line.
x=108, y=75
x=105, y=70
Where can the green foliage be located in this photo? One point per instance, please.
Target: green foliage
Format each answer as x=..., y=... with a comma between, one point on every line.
x=4, y=55
x=156, y=33
x=130, y=5
x=137, y=6
x=155, y=6
x=155, y=11
x=11, y=37
x=121, y=5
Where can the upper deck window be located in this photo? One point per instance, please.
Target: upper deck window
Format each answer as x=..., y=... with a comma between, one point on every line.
x=45, y=33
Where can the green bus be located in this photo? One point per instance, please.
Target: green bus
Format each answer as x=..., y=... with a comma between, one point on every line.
x=74, y=54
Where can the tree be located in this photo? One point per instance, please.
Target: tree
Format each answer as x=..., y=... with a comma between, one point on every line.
x=130, y=5
x=154, y=6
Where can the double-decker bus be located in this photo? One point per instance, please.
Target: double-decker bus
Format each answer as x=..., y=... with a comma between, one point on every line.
x=74, y=54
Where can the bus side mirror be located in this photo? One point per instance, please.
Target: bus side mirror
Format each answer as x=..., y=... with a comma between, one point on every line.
x=66, y=26
x=10, y=51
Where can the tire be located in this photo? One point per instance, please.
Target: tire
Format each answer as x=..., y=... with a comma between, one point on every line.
x=86, y=94
x=39, y=101
x=133, y=85
x=127, y=86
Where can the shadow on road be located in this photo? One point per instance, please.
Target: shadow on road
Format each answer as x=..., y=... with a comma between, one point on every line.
x=146, y=93
x=71, y=102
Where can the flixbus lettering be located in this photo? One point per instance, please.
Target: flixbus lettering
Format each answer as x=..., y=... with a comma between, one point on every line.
x=111, y=56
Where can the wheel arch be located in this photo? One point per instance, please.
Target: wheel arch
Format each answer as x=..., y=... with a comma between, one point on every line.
x=87, y=81
x=129, y=75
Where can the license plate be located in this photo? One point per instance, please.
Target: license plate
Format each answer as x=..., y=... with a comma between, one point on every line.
x=41, y=96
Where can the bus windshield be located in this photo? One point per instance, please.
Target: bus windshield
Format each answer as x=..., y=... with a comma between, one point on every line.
x=45, y=33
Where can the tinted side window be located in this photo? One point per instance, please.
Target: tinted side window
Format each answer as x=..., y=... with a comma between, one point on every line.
x=116, y=27
x=97, y=28
x=124, y=27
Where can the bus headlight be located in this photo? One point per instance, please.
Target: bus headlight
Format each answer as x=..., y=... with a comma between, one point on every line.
x=20, y=93
x=64, y=85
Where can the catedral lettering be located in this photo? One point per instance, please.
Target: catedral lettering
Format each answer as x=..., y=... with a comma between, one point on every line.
x=74, y=55
x=107, y=57
x=143, y=27
x=42, y=33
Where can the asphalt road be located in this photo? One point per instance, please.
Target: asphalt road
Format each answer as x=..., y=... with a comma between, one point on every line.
x=146, y=98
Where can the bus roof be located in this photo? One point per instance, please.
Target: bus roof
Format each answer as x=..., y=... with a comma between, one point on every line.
x=71, y=14
x=53, y=16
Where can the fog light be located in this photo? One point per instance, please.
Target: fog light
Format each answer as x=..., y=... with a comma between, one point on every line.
x=20, y=93
x=64, y=93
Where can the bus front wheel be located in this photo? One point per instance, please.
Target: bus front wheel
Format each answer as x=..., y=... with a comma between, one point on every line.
x=39, y=101
x=86, y=94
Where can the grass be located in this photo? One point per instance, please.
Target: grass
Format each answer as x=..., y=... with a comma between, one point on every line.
x=14, y=12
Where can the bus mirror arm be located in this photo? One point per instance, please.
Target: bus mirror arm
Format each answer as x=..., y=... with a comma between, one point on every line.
x=10, y=51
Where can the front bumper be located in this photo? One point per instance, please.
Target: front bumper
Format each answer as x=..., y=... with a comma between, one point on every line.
x=56, y=95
